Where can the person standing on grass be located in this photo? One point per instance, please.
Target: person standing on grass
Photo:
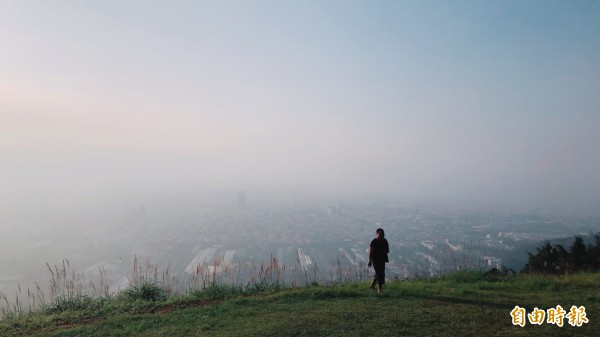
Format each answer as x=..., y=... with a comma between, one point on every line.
x=378, y=256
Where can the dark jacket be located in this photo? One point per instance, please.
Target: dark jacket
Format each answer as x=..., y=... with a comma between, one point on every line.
x=379, y=250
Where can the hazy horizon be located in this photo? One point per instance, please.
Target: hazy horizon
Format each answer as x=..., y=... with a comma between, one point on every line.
x=482, y=103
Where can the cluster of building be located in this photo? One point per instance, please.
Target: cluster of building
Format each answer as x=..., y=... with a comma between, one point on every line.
x=329, y=241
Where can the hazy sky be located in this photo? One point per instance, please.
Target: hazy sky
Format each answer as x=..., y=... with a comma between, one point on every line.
x=475, y=100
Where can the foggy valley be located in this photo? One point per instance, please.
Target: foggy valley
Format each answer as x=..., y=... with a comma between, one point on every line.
x=191, y=137
x=326, y=237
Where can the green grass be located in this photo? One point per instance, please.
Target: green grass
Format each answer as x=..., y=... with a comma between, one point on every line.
x=457, y=305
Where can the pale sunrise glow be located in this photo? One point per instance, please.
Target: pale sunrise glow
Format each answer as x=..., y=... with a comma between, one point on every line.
x=493, y=102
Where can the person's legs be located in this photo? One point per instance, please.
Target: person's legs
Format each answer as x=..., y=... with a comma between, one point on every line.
x=379, y=275
x=373, y=283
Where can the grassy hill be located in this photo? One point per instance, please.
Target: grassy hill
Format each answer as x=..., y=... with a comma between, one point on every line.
x=466, y=304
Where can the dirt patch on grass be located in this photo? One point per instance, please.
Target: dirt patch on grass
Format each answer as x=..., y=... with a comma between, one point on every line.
x=172, y=307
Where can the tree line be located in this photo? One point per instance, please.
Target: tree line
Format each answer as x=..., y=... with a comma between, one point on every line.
x=555, y=259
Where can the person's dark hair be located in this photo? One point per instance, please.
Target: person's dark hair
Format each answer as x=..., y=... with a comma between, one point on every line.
x=380, y=231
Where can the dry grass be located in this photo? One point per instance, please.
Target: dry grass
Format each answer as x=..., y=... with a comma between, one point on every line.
x=68, y=285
